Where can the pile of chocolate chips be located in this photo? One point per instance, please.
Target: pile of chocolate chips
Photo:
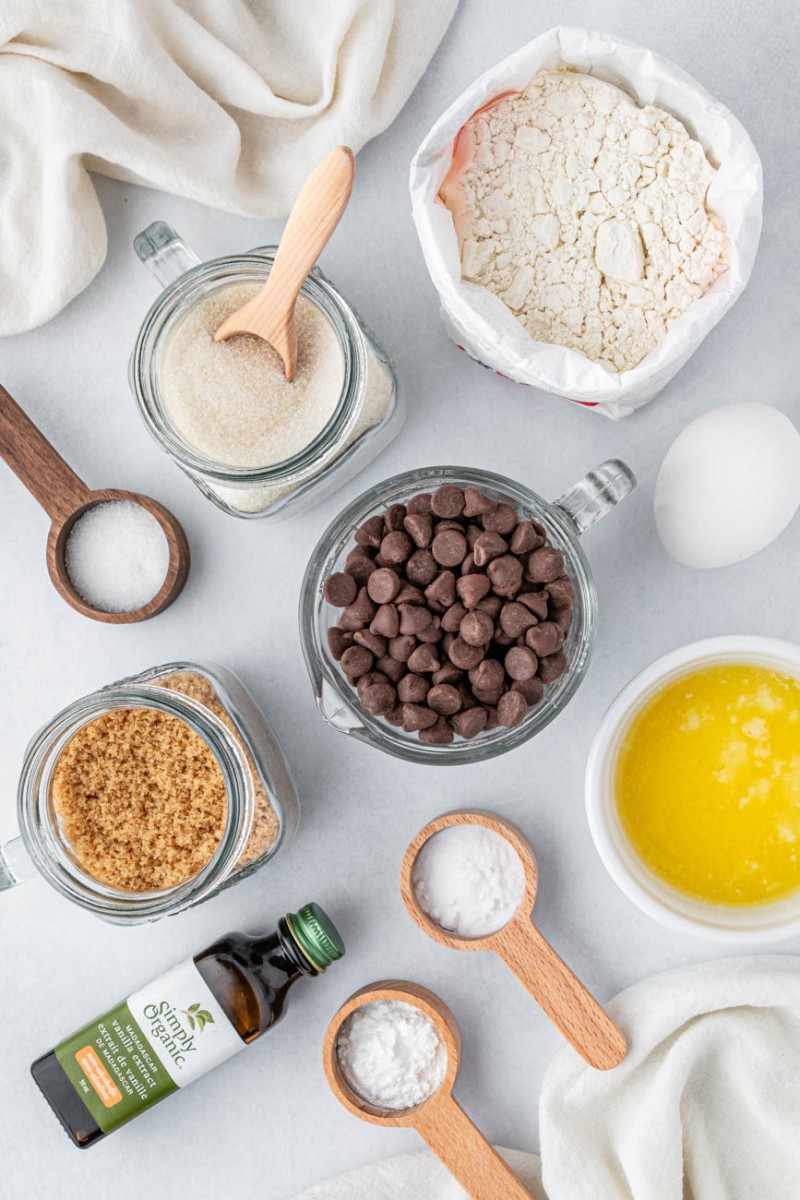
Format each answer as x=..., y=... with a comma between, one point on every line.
x=455, y=614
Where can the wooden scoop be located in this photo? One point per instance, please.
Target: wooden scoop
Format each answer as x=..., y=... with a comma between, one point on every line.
x=522, y=948
x=316, y=213
x=440, y=1120
x=65, y=498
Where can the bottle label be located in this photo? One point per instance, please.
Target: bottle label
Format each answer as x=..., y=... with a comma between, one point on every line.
x=159, y=1039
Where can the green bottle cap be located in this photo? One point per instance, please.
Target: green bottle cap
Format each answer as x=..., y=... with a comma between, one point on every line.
x=316, y=935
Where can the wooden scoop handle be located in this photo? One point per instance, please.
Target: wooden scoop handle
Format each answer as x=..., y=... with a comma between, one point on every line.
x=568, y=1004
x=39, y=466
x=465, y=1152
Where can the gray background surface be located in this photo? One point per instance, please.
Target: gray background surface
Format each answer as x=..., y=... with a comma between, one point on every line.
x=265, y=1124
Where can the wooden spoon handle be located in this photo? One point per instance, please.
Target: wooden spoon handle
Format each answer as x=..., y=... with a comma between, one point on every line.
x=568, y=1004
x=465, y=1152
x=40, y=467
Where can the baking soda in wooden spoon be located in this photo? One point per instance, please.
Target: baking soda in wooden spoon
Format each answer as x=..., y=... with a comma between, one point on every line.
x=117, y=556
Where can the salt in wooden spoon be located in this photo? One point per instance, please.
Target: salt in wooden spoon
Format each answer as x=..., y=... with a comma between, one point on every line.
x=316, y=213
x=65, y=498
x=522, y=948
x=440, y=1119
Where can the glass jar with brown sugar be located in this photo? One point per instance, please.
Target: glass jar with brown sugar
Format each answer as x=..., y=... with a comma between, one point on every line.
x=151, y=794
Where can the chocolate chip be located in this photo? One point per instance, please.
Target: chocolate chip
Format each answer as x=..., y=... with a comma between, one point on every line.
x=561, y=592
x=412, y=689
x=462, y=655
x=423, y=661
x=394, y=518
x=419, y=527
x=420, y=503
x=491, y=605
x=413, y=618
x=521, y=663
x=564, y=618
x=383, y=585
x=488, y=696
x=443, y=698
x=477, y=628
x=340, y=589
x=447, y=501
x=396, y=547
x=473, y=533
x=356, y=661
x=552, y=667
x=421, y=567
x=443, y=589
x=338, y=641
x=360, y=566
x=491, y=718
x=402, y=647
x=451, y=620
x=511, y=708
x=386, y=621
x=525, y=538
x=476, y=504
x=417, y=717
x=378, y=698
x=531, y=689
x=370, y=533
x=487, y=675
x=544, y=638
x=515, y=619
x=391, y=668
x=468, y=565
x=443, y=525
x=362, y=609
x=502, y=519
x=469, y=723
x=439, y=734
x=431, y=633
x=448, y=674
x=409, y=594
x=487, y=547
x=505, y=574
x=449, y=548
x=472, y=588
x=395, y=717
x=373, y=642
x=545, y=565
x=536, y=602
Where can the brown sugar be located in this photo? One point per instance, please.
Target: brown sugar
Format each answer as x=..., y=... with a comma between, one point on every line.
x=141, y=799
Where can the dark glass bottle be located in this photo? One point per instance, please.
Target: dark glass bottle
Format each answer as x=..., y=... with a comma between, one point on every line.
x=133, y=1056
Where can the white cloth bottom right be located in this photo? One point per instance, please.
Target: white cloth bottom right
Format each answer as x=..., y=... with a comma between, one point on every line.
x=706, y=1105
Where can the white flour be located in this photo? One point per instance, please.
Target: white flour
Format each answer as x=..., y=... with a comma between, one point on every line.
x=469, y=880
x=585, y=213
x=391, y=1054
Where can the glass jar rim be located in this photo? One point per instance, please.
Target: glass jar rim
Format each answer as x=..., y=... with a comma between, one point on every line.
x=329, y=547
x=49, y=850
x=319, y=290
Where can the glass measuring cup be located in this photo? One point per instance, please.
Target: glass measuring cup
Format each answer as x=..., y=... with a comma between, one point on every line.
x=439, y=1119
x=251, y=763
x=585, y=1025
x=565, y=519
x=368, y=414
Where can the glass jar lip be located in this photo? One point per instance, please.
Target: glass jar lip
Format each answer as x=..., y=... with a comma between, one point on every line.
x=49, y=851
x=313, y=631
x=319, y=290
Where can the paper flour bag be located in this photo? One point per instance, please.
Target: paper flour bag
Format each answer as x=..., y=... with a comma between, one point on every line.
x=484, y=326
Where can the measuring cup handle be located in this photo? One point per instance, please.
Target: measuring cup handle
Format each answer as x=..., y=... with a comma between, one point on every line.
x=16, y=865
x=165, y=253
x=585, y=1025
x=597, y=493
x=36, y=463
x=467, y=1155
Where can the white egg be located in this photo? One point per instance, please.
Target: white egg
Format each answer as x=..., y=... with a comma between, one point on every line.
x=730, y=483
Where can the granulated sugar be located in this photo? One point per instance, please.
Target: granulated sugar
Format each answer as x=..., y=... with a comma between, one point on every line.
x=231, y=400
x=469, y=880
x=117, y=556
x=391, y=1054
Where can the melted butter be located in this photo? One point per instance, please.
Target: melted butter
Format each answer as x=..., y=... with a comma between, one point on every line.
x=708, y=784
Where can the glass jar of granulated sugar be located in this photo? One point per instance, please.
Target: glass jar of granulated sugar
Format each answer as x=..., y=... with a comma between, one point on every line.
x=152, y=794
x=255, y=444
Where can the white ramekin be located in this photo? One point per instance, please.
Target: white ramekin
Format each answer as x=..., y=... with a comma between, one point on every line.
x=715, y=922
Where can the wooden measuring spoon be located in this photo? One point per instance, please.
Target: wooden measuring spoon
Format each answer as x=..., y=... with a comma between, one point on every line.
x=568, y=1004
x=314, y=216
x=440, y=1120
x=65, y=498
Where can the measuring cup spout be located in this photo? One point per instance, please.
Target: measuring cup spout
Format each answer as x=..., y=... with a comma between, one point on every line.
x=588, y=500
x=16, y=865
x=161, y=249
x=465, y=1152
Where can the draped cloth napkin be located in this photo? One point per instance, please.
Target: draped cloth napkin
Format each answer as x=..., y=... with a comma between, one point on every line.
x=230, y=103
x=706, y=1105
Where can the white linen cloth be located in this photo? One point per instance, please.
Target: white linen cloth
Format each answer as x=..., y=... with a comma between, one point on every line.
x=705, y=1106
x=231, y=104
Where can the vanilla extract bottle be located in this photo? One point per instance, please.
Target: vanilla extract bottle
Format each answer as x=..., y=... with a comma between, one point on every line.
x=181, y=1025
